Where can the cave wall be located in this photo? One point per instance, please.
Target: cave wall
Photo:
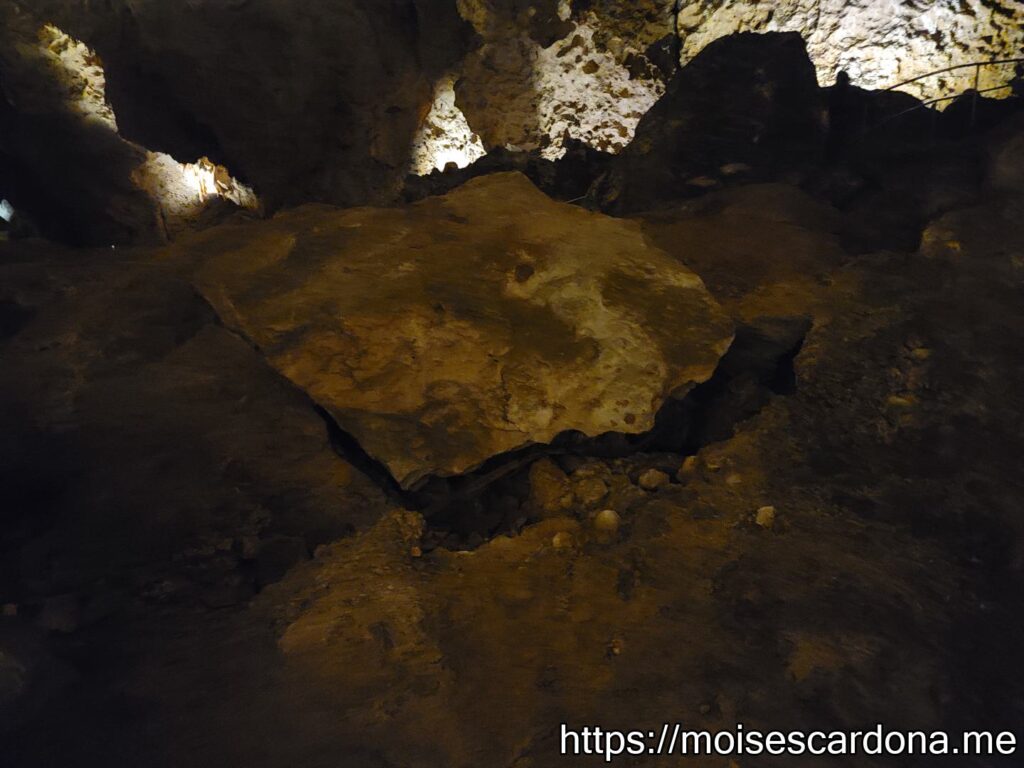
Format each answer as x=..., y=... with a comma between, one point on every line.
x=878, y=42
x=301, y=99
x=550, y=71
x=586, y=68
x=73, y=176
x=61, y=160
x=321, y=100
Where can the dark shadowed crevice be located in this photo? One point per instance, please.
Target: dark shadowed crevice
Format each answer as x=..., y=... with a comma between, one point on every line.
x=757, y=366
x=346, y=446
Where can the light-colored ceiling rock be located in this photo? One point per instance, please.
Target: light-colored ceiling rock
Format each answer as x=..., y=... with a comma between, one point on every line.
x=524, y=89
x=879, y=43
x=444, y=137
x=447, y=332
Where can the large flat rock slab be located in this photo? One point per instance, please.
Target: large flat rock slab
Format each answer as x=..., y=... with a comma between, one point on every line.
x=447, y=332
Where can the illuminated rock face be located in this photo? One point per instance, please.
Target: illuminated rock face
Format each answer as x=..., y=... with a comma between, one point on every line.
x=113, y=190
x=590, y=68
x=530, y=85
x=878, y=42
x=445, y=333
x=445, y=136
x=302, y=99
x=336, y=102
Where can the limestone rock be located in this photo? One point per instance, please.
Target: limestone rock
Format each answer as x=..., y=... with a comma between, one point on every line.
x=60, y=161
x=450, y=331
x=590, y=490
x=749, y=99
x=878, y=44
x=549, y=488
x=652, y=479
x=527, y=94
x=607, y=521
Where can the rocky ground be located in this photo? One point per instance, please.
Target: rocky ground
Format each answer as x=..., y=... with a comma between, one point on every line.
x=413, y=485
x=827, y=533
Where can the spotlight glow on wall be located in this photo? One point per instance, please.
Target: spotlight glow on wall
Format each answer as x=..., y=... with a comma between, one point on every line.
x=445, y=136
x=182, y=190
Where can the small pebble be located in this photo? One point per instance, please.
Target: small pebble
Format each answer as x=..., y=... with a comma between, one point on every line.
x=607, y=521
x=765, y=517
x=416, y=552
x=734, y=479
x=652, y=479
x=689, y=466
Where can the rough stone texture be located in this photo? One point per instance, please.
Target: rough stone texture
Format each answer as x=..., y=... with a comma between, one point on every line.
x=67, y=167
x=140, y=429
x=302, y=100
x=550, y=491
x=325, y=101
x=878, y=43
x=462, y=327
x=748, y=104
x=896, y=554
x=534, y=79
x=757, y=247
x=523, y=93
x=444, y=137
x=61, y=159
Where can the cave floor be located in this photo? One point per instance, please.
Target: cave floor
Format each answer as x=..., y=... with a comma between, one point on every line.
x=196, y=578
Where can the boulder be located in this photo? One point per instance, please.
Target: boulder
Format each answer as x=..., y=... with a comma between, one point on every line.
x=746, y=101
x=444, y=333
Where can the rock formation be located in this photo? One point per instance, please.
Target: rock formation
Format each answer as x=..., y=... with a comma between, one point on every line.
x=300, y=100
x=588, y=67
x=748, y=105
x=543, y=75
x=879, y=44
x=414, y=484
x=466, y=326
x=66, y=163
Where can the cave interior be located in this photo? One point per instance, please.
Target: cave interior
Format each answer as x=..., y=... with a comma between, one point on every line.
x=435, y=383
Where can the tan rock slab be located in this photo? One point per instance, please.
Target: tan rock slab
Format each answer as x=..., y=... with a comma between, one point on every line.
x=447, y=332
